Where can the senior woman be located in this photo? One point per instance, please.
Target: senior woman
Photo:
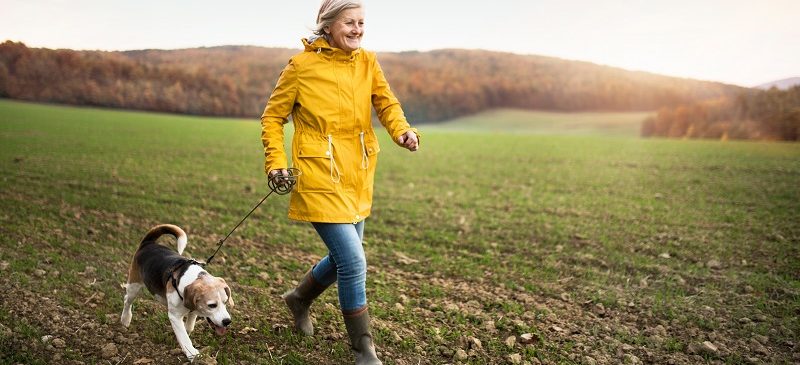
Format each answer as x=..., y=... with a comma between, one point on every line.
x=328, y=90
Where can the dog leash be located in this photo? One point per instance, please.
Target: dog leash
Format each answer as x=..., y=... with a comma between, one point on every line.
x=279, y=184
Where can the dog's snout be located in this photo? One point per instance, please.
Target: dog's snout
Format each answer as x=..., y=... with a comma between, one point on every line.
x=226, y=322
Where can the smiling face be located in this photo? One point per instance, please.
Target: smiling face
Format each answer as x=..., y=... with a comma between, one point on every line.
x=346, y=31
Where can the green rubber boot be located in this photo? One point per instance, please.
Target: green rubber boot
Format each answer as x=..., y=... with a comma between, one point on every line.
x=360, y=339
x=299, y=301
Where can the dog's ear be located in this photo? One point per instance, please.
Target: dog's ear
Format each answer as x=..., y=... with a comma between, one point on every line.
x=225, y=286
x=190, y=295
x=230, y=297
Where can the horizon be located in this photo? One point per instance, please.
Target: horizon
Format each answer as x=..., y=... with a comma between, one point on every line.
x=733, y=42
x=432, y=50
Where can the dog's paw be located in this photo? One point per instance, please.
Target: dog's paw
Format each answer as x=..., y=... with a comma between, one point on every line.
x=125, y=318
x=203, y=359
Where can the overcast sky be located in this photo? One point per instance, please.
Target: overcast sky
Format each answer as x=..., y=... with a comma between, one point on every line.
x=744, y=42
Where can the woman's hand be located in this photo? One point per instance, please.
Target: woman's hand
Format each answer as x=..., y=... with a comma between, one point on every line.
x=409, y=141
x=281, y=172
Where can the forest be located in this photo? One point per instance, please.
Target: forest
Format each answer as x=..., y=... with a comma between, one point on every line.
x=755, y=114
x=433, y=86
x=235, y=81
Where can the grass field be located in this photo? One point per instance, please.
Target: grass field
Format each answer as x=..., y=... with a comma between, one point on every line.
x=550, y=123
x=483, y=248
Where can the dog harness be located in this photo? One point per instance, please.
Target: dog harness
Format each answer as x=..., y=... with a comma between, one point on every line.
x=181, y=269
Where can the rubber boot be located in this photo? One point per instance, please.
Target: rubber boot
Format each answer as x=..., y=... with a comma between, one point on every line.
x=299, y=300
x=360, y=339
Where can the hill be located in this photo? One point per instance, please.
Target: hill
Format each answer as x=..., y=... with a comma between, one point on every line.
x=433, y=86
x=783, y=84
x=771, y=114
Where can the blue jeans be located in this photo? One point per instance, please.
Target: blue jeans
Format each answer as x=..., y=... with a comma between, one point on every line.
x=344, y=264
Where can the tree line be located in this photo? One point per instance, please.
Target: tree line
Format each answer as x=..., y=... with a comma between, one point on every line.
x=755, y=114
x=433, y=86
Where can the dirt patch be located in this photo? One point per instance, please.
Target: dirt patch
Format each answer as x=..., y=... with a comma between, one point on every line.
x=70, y=336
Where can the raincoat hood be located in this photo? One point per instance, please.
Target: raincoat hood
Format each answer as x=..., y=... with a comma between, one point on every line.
x=319, y=44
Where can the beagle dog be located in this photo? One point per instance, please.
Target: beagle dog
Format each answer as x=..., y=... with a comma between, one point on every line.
x=180, y=283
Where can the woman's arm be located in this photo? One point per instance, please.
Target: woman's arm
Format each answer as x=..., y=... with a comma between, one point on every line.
x=275, y=115
x=389, y=111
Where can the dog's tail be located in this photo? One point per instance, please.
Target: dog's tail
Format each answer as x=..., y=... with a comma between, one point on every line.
x=163, y=229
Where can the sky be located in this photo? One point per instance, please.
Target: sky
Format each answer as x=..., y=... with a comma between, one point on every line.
x=742, y=42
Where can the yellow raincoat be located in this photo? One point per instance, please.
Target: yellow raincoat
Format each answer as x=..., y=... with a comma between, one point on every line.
x=329, y=94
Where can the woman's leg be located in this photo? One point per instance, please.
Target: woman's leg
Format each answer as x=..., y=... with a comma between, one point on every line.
x=346, y=252
x=345, y=263
x=325, y=270
x=313, y=283
x=299, y=301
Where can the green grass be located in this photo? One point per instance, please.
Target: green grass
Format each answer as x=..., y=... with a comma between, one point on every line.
x=549, y=123
x=481, y=233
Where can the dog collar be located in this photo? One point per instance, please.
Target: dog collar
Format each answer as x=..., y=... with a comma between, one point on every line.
x=180, y=269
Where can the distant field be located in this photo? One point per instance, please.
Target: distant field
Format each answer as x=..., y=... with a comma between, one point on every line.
x=551, y=123
x=483, y=248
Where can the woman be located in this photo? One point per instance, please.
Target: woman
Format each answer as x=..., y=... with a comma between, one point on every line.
x=328, y=89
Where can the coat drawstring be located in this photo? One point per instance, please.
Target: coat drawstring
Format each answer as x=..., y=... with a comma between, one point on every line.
x=364, y=157
x=334, y=168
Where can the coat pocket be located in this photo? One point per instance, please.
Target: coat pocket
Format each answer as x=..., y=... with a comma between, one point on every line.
x=314, y=161
x=372, y=148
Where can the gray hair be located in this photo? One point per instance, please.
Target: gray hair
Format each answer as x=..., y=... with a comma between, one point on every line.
x=329, y=10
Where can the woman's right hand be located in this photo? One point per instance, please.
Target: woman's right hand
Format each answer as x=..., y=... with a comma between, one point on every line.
x=277, y=172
